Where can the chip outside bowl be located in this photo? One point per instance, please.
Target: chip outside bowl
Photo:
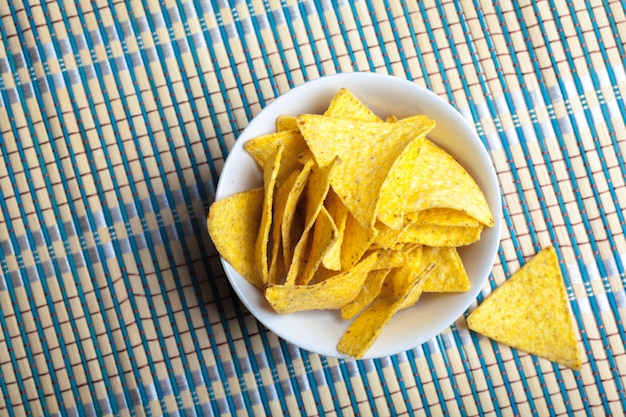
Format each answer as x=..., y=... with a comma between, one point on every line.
x=320, y=331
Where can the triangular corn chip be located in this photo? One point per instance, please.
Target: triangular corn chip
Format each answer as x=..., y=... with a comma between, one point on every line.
x=368, y=325
x=233, y=224
x=432, y=235
x=316, y=191
x=339, y=213
x=270, y=174
x=368, y=293
x=367, y=151
x=263, y=147
x=440, y=217
x=324, y=235
x=331, y=293
x=284, y=122
x=530, y=312
x=449, y=274
x=439, y=181
x=393, y=193
x=288, y=229
x=356, y=240
x=281, y=198
x=345, y=105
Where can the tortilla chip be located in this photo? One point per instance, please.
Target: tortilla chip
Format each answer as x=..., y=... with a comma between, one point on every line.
x=263, y=147
x=277, y=264
x=431, y=235
x=398, y=184
x=316, y=190
x=356, y=240
x=284, y=123
x=368, y=293
x=345, y=105
x=331, y=293
x=449, y=274
x=368, y=325
x=233, y=223
x=324, y=236
x=439, y=181
x=391, y=258
x=270, y=173
x=339, y=213
x=290, y=215
x=530, y=312
x=441, y=217
x=367, y=151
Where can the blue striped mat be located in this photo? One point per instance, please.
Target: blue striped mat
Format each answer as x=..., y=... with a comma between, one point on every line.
x=116, y=119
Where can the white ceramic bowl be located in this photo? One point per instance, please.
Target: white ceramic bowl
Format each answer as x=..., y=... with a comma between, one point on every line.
x=320, y=331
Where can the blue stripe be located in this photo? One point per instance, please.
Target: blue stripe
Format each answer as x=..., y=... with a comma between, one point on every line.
x=412, y=360
x=150, y=245
x=312, y=383
x=32, y=246
x=172, y=205
x=232, y=62
x=306, y=11
x=208, y=41
x=201, y=220
x=580, y=203
x=266, y=61
x=470, y=101
x=443, y=350
x=362, y=37
x=465, y=362
x=327, y=36
x=379, y=37
x=436, y=377
x=331, y=384
x=9, y=343
x=346, y=39
x=288, y=11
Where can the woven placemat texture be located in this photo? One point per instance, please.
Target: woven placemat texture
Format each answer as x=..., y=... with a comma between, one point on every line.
x=116, y=119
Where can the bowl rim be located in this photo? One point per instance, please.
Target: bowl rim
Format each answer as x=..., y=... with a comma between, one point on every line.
x=225, y=188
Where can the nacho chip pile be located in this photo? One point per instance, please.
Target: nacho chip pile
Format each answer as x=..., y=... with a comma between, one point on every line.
x=356, y=214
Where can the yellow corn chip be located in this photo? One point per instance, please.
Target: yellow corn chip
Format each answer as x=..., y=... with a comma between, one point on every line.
x=386, y=237
x=324, y=235
x=288, y=231
x=431, y=235
x=398, y=184
x=367, y=294
x=331, y=293
x=345, y=105
x=390, y=258
x=263, y=147
x=399, y=278
x=441, y=217
x=367, y=151
x=530, y=312
x=339, y=213
x=233, y=224
x=391, y=119
x=439, y=181
x=277, y=264
x=356, y=240
x=449, y=274
x=284, y=122
x=316, y=190
x=270, y=173
x=368, y=325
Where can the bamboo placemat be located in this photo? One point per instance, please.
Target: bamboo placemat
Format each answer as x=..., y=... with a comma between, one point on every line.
x=116, y=118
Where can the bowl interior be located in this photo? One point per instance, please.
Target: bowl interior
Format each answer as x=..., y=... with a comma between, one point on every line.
x=320, y=331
